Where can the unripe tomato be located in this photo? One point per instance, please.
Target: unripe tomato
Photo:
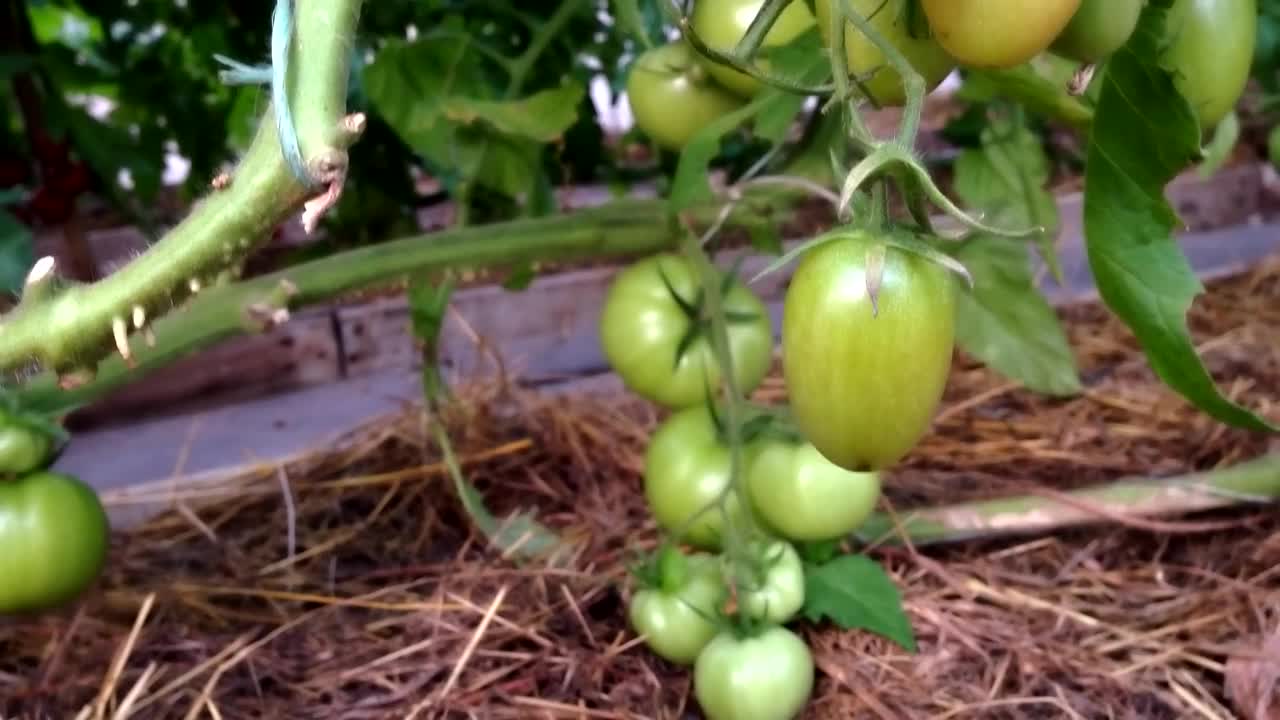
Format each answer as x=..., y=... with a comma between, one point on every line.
x=997, y=33
x=1099, y=28
x=687, y=466
x=889, y=18
x=678, y=617
x=778, y=593
x=53, y=541
x=722, y=23
x=645, y=332
x=22, y=449
x=864, y=382
x=671, y=97
x=803, y=496
x=1209, y=49
x=764, y=676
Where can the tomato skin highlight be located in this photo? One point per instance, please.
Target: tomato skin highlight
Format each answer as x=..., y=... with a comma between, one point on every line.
x=687, y=467
x=863, y=386
x=678, y=623
x=804, y=497
x=671, y=97
x=641, y=326
x=766, y=676
x=890, y=20
x=994, y=34
x=1098, y=29
x=722, y=23
x=1209, y=46
x=779, y=594
x=53, y=541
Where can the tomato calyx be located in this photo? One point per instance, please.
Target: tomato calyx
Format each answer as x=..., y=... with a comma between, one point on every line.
x=695, y=311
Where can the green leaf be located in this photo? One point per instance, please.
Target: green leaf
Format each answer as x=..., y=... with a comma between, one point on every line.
x=543, y=116
x=690, y=185
x=1145, y=132
x=1007, y=324
x=16, y=254
x=856, y=593
x=1218, y=151
x=632, y=21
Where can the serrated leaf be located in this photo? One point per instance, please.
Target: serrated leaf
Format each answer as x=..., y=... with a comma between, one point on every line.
x=1145, y=133
x=855, y=593
x=543, y=116
x=16, y=254
x=1006, y=322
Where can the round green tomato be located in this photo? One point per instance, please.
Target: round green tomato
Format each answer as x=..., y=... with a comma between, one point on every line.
x=778, y=593
x=53, y=541
x=687, y=467
x=890, y=19
x=863, y=383
x=22, y=449
x=642, y=328
x=1209, y=49
x=997, y=33
x=671, y=96
x=677, y=622
x=1099, y=28
x=720, y=24
x=803, y=496
x=766, y=676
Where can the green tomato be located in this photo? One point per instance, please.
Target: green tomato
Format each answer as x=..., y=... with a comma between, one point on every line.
x=864, y=383
x=643, y=329
x=678, y=617
x=890, y=19
x=997, y=33
x=22, y=449
x=766, y=676
x=1099, y=28
x=720, y=24
x=1209, y=49
x=687, y=467
x=53, y=541
x=804, y=497
x=671, y=97
x=776, y=594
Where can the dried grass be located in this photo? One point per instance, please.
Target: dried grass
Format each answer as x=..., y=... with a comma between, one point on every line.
x=349, y=584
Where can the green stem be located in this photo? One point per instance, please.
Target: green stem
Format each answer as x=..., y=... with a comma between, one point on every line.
x=1252, y=481
x=912, y=81
x=760, y=26
x=621, y=228
x=523, y=65
x=70, y=332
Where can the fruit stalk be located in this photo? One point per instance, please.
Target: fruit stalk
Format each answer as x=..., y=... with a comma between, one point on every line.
x=1255, y=481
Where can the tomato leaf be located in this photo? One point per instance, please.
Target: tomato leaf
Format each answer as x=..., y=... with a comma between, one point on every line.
x=1145, y=132
x=543, y=116
x=854, y=592
x=16, y=256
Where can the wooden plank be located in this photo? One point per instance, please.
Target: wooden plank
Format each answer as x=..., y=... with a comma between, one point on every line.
x=545, y=332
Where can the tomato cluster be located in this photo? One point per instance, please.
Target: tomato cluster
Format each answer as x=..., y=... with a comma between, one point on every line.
x=53, y=529
x=675, y=91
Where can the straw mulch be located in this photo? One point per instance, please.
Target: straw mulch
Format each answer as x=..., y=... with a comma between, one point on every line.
x=351, y=585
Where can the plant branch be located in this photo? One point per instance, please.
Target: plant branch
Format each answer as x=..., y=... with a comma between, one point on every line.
x=760, y=26
x=70, y=328
x=523, y=65
x=621, y=228
x=1254, y=481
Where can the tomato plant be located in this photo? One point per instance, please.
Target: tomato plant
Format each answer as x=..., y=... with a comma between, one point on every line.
x=53, y=540
x=655, y=333
x=1099, y=28
x=1209, y=49
x=892, y=20
x=803, y=496
x=767, y=675
x=722, y=23
x=677, y=610
x=997, y=33
x=687, y=467
x=22, y=449
x=671, y=96
x=864, y=379
x=776, y=592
